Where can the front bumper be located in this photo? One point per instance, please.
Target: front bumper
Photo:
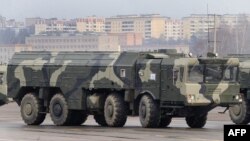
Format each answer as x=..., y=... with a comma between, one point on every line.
x=206, y=94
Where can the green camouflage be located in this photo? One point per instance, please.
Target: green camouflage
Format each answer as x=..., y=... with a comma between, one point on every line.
x=3, y=86
x=244, y=67
x=82, y=76
x=240, y=114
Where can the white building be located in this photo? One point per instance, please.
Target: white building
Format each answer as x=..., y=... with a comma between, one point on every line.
x=92, y=24
x=173, y=29
x=73, y=42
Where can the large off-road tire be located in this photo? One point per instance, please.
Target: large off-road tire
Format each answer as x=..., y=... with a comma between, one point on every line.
x=100, y=119
x=149, y=112
x=77, y=117
x=59, y=112
x=115, y=111
x=164, y=121
x=196, y=121
x=32, y=110
x=240, y=113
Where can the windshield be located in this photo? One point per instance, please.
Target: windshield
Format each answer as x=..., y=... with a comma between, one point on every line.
x=211, y=73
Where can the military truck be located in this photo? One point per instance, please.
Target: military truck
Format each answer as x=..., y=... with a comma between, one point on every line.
x=240, y=114
x=112, y=85
x=3, y=86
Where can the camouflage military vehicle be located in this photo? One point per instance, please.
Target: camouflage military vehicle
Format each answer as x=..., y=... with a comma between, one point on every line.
x=112, y=85
x=3, y=86
x=240, y=114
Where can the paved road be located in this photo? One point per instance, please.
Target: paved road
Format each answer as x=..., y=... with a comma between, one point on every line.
x=12, y=128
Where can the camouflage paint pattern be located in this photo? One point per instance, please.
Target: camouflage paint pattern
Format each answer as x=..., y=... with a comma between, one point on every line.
x=244, y=66
x=3, y=86
x=140, y=73
x=196, y=94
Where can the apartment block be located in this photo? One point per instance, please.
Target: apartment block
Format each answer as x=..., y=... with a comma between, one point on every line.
x=33, y=21
x=149, y=25
x=2, y=22
x=90, y=24
x=129, y=39
x=173, y=29
x=73, y=42
x=12, y=23
x=199, y=24
x=55, y=26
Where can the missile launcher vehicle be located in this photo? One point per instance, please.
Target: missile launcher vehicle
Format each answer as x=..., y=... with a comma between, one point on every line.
x=156, y=86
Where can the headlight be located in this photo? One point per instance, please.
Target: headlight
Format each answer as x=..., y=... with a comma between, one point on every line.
x=238, y=97
x=190, y=98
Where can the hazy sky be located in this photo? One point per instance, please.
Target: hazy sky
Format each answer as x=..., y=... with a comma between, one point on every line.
x=20, y=9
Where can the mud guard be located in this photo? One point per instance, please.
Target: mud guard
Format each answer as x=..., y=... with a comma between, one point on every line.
x=3, y=99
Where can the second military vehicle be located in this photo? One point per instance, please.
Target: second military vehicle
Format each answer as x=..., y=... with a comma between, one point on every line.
x=240, y=114
x=3, y=85
x=113, y=85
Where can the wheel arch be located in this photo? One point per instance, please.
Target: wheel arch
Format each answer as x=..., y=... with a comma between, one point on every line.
x=138, y=99
x=23, y=91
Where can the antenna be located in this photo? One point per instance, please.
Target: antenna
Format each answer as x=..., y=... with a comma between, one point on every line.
x=208, y=46
x=214, y=34
x=214, y=29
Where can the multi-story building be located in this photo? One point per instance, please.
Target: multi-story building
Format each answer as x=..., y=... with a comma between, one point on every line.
x=173, y=29
x=90, y=24
x=73, y=42
x=150, y=26
x=12, y=23
x=198, y=25
x=129, y=39
x=55, y=26
x=33, y=21
x=2, y=22
x=232, y=21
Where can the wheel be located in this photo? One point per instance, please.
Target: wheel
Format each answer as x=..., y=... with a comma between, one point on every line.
x=149, y=112
x=59, y=112
x=100, y=119
x=240, y=114
x=77, y=117
x=197, y=121
x=115, y=111
x=32, y=110
x=165, y=121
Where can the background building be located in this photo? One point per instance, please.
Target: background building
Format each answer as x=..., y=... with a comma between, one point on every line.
x=33, y=21
x=55, y=26
x=198, y=25
x=150, y=26
x=129, y=39
x=2, y=22
x=173, y=29
x=92, y=24
x=6, y=51
x=74, y=42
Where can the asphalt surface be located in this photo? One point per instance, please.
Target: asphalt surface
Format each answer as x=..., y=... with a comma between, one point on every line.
x=12, y=128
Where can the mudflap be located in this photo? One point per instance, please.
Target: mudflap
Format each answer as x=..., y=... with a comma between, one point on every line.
x=3, y=99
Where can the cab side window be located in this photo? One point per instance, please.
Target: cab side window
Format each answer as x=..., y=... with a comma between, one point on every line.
x=1, y=78
x=175, y=75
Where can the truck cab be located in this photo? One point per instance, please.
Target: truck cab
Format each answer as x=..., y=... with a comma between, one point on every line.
x=206, y=81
